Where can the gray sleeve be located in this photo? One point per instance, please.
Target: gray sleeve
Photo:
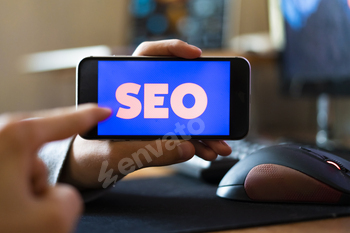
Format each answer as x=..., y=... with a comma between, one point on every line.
x=53, y=155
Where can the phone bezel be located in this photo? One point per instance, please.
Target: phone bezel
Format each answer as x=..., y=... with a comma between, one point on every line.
x=86, y=92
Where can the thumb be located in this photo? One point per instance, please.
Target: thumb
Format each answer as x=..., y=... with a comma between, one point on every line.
x=172, y=47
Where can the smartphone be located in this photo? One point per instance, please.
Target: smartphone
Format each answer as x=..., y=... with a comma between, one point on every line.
x=167, y=97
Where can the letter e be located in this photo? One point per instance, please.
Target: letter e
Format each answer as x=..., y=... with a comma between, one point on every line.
x=151, y=100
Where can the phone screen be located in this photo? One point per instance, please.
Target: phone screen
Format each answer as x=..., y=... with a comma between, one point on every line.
x=157, y=97
x=164, y=97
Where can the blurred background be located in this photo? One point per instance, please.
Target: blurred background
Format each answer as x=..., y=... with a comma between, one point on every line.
x=41, y=42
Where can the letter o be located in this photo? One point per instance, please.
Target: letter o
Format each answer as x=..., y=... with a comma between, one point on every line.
x=200, y=104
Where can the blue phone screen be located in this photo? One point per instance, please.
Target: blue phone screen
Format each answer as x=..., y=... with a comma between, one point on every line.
x=165, y=97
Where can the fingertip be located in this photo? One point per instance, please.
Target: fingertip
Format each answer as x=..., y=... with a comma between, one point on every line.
x=106, y=111
x=204, y=151
x=172, y=47
x=93, y=106
x=182, y=49
x=196, y=52
x=225, y=148
x=95, y=112
x=186, y=150
x=219, y=146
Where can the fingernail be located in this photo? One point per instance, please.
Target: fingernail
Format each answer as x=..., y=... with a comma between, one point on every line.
x=185, y=151
x=106, y=110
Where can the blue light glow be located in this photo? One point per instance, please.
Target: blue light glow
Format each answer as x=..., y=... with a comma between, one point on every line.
x=297, y=12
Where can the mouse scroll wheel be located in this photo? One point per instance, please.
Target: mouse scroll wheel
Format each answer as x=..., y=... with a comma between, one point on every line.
x=334, y=164
x=338, y=165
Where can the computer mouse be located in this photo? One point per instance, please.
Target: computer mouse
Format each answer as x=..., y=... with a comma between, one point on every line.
x=288, y=173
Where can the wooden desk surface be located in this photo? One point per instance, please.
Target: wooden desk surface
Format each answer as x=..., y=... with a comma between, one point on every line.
x=335, y=225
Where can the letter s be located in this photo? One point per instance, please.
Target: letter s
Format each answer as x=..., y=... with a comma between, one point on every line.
x=121, y=94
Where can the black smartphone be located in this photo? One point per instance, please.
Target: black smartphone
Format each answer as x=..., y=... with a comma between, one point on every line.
x=167, y=97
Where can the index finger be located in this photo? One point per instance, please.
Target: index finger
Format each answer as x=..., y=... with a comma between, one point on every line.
x=61, y=126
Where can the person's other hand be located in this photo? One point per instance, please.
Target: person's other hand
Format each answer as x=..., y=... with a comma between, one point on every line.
x=92, y=162
x=27, y=202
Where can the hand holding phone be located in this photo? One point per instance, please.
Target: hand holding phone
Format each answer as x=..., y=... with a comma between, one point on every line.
x=173, y=98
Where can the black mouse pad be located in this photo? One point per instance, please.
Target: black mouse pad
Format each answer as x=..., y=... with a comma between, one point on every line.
x=181, y=204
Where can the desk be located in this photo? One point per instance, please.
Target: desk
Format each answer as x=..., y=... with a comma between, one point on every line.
x=336, y=225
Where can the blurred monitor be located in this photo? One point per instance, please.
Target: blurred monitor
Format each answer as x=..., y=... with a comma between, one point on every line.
x=314, y=39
